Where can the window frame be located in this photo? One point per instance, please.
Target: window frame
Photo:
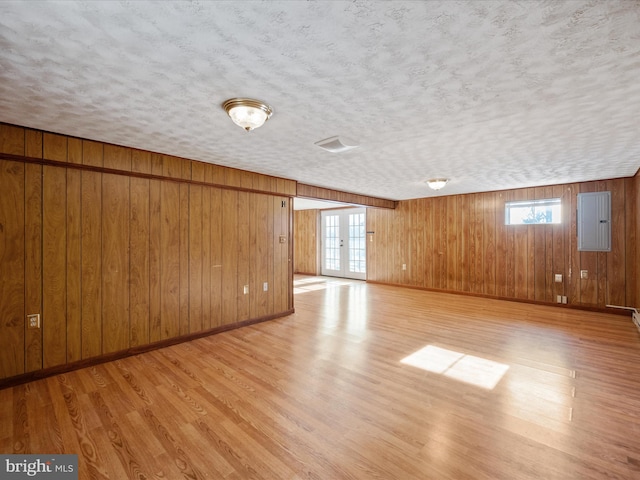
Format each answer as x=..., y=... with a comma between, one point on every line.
x=534, y=204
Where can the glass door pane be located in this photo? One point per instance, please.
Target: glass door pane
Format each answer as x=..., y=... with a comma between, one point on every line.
x=332, y=262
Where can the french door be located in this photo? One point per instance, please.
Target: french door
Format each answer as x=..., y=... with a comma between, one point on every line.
x=344, y=243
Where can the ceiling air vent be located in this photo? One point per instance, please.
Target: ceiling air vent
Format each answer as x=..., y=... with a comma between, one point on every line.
x=336, y=144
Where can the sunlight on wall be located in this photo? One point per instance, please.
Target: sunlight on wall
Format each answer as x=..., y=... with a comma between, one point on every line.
x=458, y=366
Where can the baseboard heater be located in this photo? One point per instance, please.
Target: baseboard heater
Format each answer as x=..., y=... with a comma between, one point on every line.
x=635, y=315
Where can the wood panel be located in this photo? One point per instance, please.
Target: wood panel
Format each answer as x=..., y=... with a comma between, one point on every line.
x=184, y=251
x=615, y=274
x=140, y=161
x=54, y=263
x=270, y=248
x=74, y=260
x=33, y=143
x=417, y=245
x=12, y=255
x=633, y=274
x=530, y=249
x=170, y=259
x=440, y=242
x=243, y=259
x=466, y=253
x=510, y=247
x=260, y=255
x=54, y=147
x=632, y=232
x=306, y=241
x=139, y=266
x=206, y=263
x=155, y=262
x=539, y=252
x=92, y=153
x=217, y=232
x=33, y=263
x=282, y=265
x=12, y=140
x=461, y=243
x=478, y=241
x=452, y=259
x=372, y=251
x=548, y=258
x=229, y=257
x=117, y=158
x=559, y=261
x=195, y=258
x=115, y=263
x=502, y=243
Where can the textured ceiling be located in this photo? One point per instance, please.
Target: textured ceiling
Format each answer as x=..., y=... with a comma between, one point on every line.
x=492, y=94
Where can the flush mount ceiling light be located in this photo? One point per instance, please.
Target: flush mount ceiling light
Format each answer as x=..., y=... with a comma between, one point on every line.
x=247, y=113
x=437, y=183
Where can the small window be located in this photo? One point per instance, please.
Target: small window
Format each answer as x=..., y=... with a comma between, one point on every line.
x=528, y=212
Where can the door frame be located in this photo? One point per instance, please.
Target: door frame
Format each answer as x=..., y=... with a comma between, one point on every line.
x=343, y=214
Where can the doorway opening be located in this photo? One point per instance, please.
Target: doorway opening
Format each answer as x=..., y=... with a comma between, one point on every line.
x=343, y=243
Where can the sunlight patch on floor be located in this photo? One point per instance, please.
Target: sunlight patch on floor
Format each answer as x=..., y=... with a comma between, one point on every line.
x=312, y=284
x=470, y=369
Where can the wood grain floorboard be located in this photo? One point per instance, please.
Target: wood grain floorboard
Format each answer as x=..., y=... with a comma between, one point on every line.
x=364, y=381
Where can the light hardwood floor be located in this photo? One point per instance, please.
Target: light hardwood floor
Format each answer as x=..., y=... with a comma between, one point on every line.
x=364, y=381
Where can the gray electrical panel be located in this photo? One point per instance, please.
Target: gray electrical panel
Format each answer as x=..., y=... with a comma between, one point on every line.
x=594, y=222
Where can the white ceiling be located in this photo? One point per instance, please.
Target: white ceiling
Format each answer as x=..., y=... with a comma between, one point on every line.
x=492, y=94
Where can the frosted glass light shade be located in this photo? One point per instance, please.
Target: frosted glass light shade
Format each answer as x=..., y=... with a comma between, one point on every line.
x=437, y=183
x=247, y=113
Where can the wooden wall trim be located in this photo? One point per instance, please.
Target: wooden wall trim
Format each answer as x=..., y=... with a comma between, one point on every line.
x=127, y=173
x=109, y=357
x=319, y=193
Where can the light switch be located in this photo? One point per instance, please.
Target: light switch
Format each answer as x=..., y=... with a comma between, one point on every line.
x=558, y=277
x=584, y=274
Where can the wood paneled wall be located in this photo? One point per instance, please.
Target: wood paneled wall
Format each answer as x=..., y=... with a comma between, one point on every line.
x=140, y=249
x=633, y=250
x=306, y=241
x=460, y=243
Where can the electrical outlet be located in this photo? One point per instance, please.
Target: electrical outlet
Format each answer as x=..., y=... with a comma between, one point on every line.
x=33, y=320
x=246, y=289
x=265, y=287
x=558, y=298
x=564, y=299
x=558, y=278
x=584, y=274
x=404, y=266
